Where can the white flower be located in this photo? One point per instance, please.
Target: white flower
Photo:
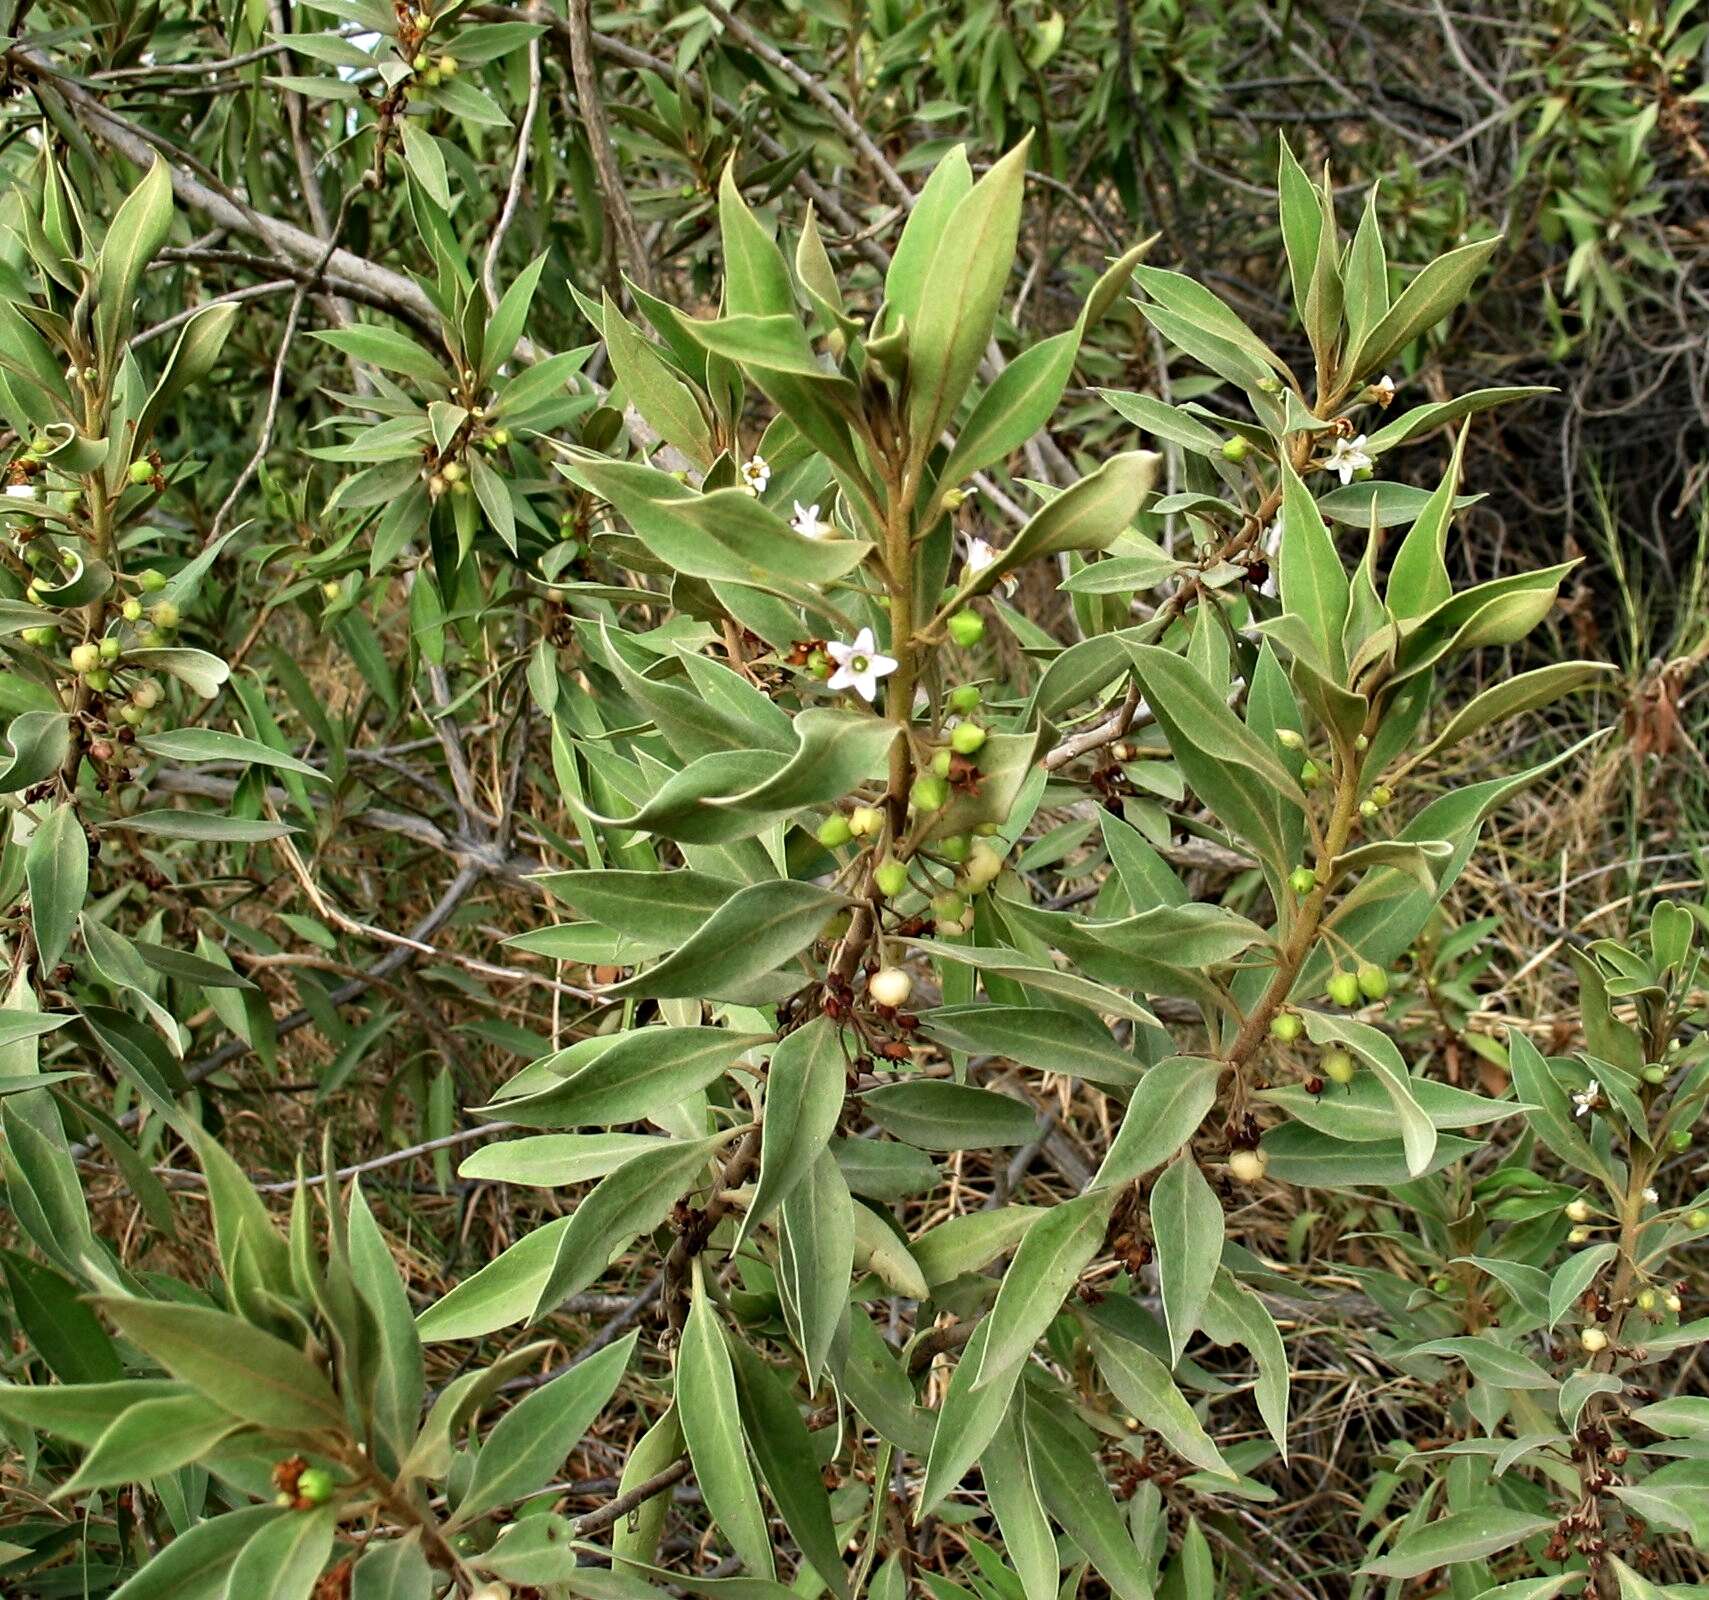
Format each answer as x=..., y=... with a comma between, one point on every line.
x=756, y=474
x=1651, y=1197
x=1349, y=456
x=1383, y=389
x=859, y=665
x=980, y=554
x=808, y=523
x=1270, y=541
x=1587, y=1099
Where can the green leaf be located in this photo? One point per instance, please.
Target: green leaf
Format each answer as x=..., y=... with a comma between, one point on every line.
x=510, y=316
x=1575, y=1276
x=1163, y=1114
x=504, y=1291
x=56, y=867
x=1461, y=1536
x=193, y=358
x=197, y=1564
x=1511, y=696
x=1235, y=1315
x=139, y=228
x=1423, y=303
x=928, y=221
x=1144, y=1386
x=210, y=744
x=932, y=1114
x=712, y=1424
x=805, y=1083
x=1013, y=408
x=1044, y=1038
x=784, y=1450
x=251, y=1374
x=1186, y=1226
x=1028, y=1543
x=959, y=297
x=528, y=1445
x=426, y=160
x=1378, y=1052
x=667, y=403
x=388, y=350
x=1493, y=1363
x=815, y=1259
x=284, y=1559
x=149, y=1440
x=756, y=278
x=395, y=1570
x=972, y=1241
x=1313, y=582
x=627, y=1077
x=1048, y=1264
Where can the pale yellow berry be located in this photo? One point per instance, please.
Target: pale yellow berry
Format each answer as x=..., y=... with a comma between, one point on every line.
x=890, y=986
x=1247, y=1166
x=1593, y=1339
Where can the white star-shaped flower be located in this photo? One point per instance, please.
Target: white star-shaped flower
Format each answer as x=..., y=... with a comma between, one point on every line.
x=859, y=665
x=1383, y=389
x=756, y=474
x=1651, y=1197
x=1587, y=1099
x=1349, y=456
x=808, y=523
x=980, y=554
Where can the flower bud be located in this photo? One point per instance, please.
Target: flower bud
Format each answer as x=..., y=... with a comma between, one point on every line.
x=131, y=610
x=152, y=582
x=1311, y=775
x=890, y=986
x=1698, y=1218
x=1674, y=1304
x=163, y=614
x=954, y=499
x=1577, y=1235
x=1368, y=809
x=1289, y=740
x=1381, y=794
x=1654, y=1074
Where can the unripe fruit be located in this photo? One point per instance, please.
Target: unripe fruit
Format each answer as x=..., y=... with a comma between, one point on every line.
x=1593, y=1339
x=1302, y=880
x=1344, y=989
x=941, y=763
x=1362, y=741
x=1578, y=1210
x=954, y=499
x=1646, y=1300
x=109, y=648
x=332, y=589
x=431, y=77
x=131, y=610
x=146, y=694
x=1286, y=1027
x=964, y=698
x=1337, y=1066
x=984, y=866
x=447, y=66
x=929, y=793
x=1577, y=1235
x=1289, y=740
x=1654, y=1074
x=1235, y=450
x=1247, y=1166
x=41, y=638
x=890, y=986
x=316, y=1485
x=819, y=664
x=142, y=472
x=452, y=471
x=890, y=878
x=1441, y=1284
x=954, y=849
x=1373, y=981
x=501, y=437
x=834, y=831
x=949, y=906
x=967, y=628
x=421, y=63
x=152, y=582
x=966, y=738
x=864, y=820
x=1368, y=808
x=85, y=658
x=1674, y=1303
x=1311, y=775
x=100, y=680
x=1697, y=1219
x=1382, y=794
x=163, y=614
x=1680, y=1139
x=131, y=716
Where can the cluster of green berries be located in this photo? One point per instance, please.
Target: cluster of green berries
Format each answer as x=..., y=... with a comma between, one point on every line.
x=430, y=72
x=1350, y=989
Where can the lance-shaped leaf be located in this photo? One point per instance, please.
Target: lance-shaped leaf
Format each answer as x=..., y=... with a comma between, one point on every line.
x=932, y=1114
x=1164, y=1112
x=662, y=398
x=1234, y=1315
x=1509, y=698
x=815, y=1259
x=56, y=867
x=139, y=228
x=193, y=358
x=1028, y=1543
x=803, y=1100
x=1377, y=1050
x=1076, y=1495
x=1461, y=1536
x=1186, y=1227
x=1143, y=1384
x=712, y=1424
x=1422, y=304
x=1314, y=584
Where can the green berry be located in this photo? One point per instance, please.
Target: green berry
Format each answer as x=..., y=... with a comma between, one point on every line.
x=1337, y=1066
x=1373, y=981
x=85, y=658
x=1697, y=1219
x=1646, y=1300
x=984, y=866
x=501, y=437
x=1441, y=1283
x=966, y=738
x=142, y=472
x=421, y=63
x=316, y=1486
x=818, y=664
x=949, y=907
x=1362, y=741
x=929, y=793
x=1655, y=1074
x=1344, y=989
x=100, y=680
x=109, y=648
x=41, y=638
x=152, y=582
x=964, y=699
x=967, y=628
x=941, y=763
x=834, y=831
x=1235, y=450
x=890, y=878
x=146, y=694
x=131, y=610
x=1680, y=1139
x=1382, y=794
x=1311, y=775
x=1368, y=808
x=1286, y=1026
x=1302, y=880
x=864, y=820
x=1289, y=740
x=954, y=849
x=163, y=614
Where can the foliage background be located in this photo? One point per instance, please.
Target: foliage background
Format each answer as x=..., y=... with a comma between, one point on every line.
x=1571, y=127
